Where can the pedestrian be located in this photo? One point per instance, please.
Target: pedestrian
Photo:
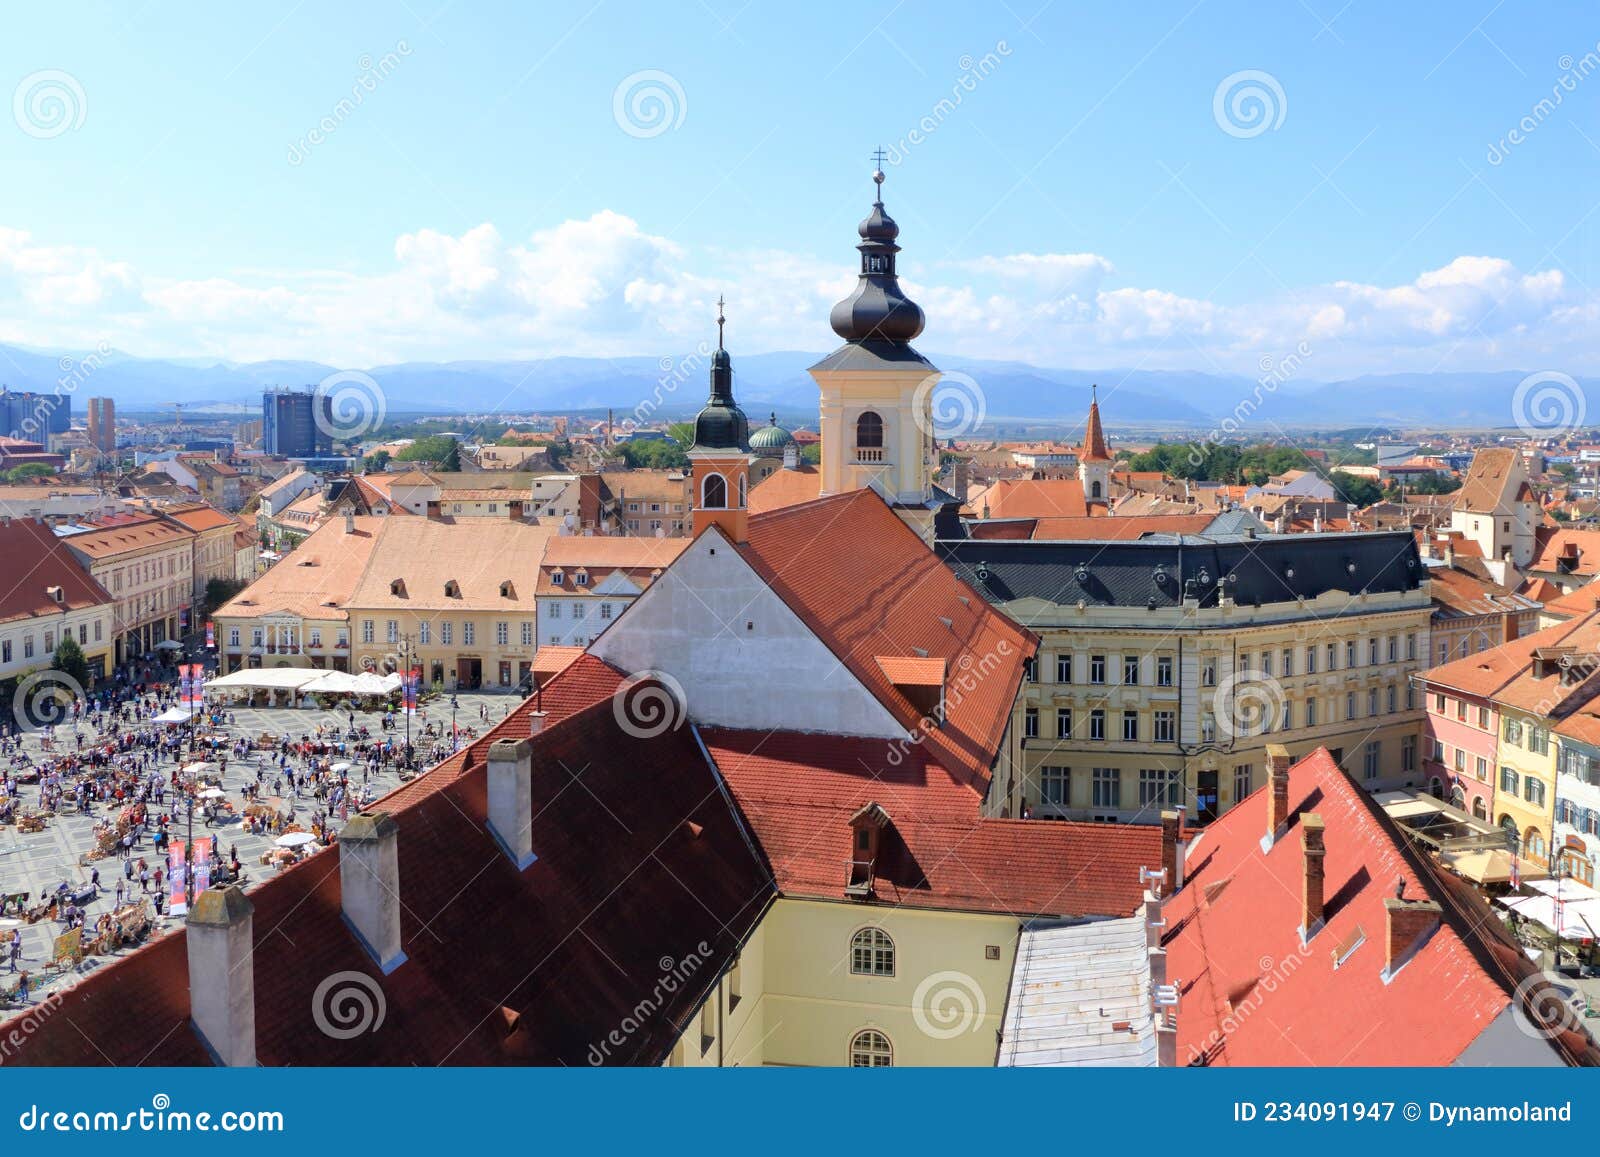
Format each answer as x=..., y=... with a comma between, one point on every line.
x=94, y=880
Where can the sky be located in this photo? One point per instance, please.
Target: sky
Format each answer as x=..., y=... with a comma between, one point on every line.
x=1207, y=186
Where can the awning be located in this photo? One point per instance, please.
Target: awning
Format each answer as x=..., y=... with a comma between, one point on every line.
x=172, y=715
x=266, y=679
x=1488, y=866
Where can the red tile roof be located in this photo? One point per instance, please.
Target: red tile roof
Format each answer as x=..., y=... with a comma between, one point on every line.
x=798, y=793
x=1094, y=438
x=625, y=879
x=785, y=488
x=39, y=561
x=1251, y=995
x=1553, y=544
x=1036, y=498
x=895, y=597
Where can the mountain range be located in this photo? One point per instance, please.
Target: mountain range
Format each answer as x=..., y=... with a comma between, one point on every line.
x=674, y=386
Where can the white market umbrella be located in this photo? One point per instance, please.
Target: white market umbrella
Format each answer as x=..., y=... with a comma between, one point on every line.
x=340, y=767
x=198, y=768
x=213, y=793
x=172, y=715
x=294, y=839
x=169, y=645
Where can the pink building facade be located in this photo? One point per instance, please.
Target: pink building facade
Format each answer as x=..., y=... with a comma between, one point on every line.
x=1460, y=742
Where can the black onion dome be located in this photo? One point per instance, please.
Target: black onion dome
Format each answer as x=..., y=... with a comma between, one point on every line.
x=878, y=311
x=722, y=425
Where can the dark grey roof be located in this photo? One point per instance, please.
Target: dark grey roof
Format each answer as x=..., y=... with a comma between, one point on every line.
x=874, y=355
x=1158, y=571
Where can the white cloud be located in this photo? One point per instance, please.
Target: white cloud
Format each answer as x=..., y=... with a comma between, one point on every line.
x=604, y=285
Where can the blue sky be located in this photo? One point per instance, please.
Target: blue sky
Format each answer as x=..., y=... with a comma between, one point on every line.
x=1082, y=204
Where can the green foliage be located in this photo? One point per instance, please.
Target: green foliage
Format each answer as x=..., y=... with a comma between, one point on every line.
x=431, y=448
x=1428, y=484
x=27, y=471
x=452, y=459
x=375, y=463
x=682, y=433
x=69, y=661
x=811, y=455
x=655, y=454
x=220, y=590
x=1356, y=489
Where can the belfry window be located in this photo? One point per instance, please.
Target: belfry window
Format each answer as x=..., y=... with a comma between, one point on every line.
x=869, y=431
x=714, y=495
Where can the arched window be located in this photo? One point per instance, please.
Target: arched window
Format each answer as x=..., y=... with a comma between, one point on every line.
x=872, y=953
x=1094, y=489
x=742, y=491
x=1534, y=842
x=714, y=493
x=869, y=431
x=1480, y=810
x=870, y=1049
x=1436, y=788
x=1458, y=796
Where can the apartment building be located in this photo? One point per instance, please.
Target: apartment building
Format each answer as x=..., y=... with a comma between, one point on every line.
x=1167, y=664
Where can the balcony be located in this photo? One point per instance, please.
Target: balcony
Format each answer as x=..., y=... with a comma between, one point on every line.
x=872, y=455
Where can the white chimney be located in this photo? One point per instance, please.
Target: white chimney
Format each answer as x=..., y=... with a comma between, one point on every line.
x=511, y=799
x=369, y=886
x=349, y=522
x=222, y=979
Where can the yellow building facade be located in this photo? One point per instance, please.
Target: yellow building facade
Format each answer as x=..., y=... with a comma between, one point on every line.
x=1525, y=781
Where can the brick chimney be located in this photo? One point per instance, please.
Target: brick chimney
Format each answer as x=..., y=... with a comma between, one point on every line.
x=222, y=979
x=1278, y=797
x=1311, y=891
x=369, y=884
x=1171, y=850
x=1508, y=624
x=511, y=799
x=1407, y=926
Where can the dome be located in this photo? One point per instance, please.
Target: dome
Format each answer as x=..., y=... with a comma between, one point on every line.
x=771, y=438
x=721, y=425
x=878, y=311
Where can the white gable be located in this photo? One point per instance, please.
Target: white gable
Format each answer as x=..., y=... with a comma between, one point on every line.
x=616, y=583
x=743, y=657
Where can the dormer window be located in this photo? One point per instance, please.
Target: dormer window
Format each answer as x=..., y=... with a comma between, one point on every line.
x=557, y=578
x=397, y=588
x=507, y=591
x=581, y=578
x=452, y=589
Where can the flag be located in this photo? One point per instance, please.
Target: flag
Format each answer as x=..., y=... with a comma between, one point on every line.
x=211, y=634
x=1516, y=873
x=410, y=685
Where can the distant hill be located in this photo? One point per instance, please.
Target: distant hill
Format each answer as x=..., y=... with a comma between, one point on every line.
x=778, y=380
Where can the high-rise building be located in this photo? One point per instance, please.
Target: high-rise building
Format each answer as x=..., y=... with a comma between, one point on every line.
x=34, y=417
x=103, y=424
x=290, y=425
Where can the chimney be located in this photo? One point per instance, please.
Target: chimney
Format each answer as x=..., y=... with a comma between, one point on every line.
x=349, y=522
x=1408, y=924
x=1316, y=522
x=1311, y=892
x=511, y=798
x=535, y=722
x=1153, y=923
x=369, y=884
x=1278, y=798
x=222, y=979
x=1450, y=553
x=1508, y=625
x=1171, y=850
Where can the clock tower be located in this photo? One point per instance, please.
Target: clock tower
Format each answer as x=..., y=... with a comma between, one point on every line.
x=719, y=460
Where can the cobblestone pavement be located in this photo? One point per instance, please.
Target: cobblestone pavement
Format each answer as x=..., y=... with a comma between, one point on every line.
x=39, y=861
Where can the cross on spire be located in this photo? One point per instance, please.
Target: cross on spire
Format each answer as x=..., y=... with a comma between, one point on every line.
x=877, y=170
x=720, y=320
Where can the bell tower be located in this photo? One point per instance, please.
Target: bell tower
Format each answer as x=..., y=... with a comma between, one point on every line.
x=719, y=460
x=1094, y=461
x=877, y=424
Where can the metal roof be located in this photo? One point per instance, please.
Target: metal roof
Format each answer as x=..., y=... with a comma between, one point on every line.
x=1080, y=995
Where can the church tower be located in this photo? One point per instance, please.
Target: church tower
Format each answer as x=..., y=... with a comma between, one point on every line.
x=719, y=460
x=1094, y=462
x=877, y=424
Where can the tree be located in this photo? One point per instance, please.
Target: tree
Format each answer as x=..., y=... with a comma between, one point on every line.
x=430, y=448
x=1355, y=489
x=682, y=433
x=220, y=590
x=29, y=470
x=452, y=458
x=69, y=661
x=654, y=454
x=376, y=462
x=811, y=455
